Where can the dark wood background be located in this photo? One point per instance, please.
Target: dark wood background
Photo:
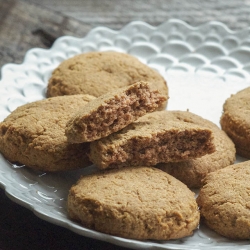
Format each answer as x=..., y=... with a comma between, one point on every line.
x=26, y=24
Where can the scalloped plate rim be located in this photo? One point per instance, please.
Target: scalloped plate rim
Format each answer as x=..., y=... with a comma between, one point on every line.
x=67, y=223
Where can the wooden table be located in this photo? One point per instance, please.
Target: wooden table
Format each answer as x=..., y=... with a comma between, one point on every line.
x=26, y=24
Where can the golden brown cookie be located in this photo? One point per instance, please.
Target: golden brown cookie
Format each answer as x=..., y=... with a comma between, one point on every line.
x=192, y=172
x=34, y=135
x=138, y=203
x=152, y=139
x=224, y=201
x=97, y=73
x=112, y=112
x=235, y=121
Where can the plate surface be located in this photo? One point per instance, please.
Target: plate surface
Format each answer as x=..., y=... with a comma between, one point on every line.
x=203, y=66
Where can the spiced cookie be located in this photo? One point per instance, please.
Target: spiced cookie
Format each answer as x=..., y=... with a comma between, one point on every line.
x=153, y=138
x=34, y=135
x=235, y=121
x=192, y=172
x=139, y=203
x=112, y=112
x=96, y=73
x=224, y=201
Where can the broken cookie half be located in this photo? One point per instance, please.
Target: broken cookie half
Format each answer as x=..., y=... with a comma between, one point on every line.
x=112, y=112
x=152, y=139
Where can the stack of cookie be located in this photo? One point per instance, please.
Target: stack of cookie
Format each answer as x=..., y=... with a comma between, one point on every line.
x=108, y=108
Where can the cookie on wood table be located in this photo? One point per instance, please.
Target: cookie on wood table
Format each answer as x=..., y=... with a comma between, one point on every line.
x=224, y=201
x=235, y=121
x=152, y=139
x=192, y=171
x=139, y=203
x=97, y=73
x=112, y=112
x=34, y=135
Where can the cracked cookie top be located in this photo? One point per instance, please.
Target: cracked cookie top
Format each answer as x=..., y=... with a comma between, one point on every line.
x=224, y=201
x=97, y=73
x=138, y=203
x=34, y=134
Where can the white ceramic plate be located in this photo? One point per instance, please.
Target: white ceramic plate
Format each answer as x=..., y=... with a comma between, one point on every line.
x=203, y=66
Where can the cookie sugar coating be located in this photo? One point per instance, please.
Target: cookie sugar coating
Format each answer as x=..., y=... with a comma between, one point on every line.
x=96, y=73
x=193, y=171
x=33, y=135
x=138, y=203
x=112, y=112
x=224, y=201
x=150, y=140
x=235, y=121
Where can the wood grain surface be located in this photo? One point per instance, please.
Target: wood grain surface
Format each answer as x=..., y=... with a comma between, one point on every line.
x=25, y=24
x=117, y=13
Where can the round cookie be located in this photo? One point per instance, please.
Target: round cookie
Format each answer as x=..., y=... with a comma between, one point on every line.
x=191, y=172
x=138, y=203
x=235, y=121
x=34, y=135
x=224, y=201
x=96, y=73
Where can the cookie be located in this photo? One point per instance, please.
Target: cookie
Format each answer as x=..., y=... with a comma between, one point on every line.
x=193, y=171
x=96, y=73
x=150, y=140
x=34, y=135
x=138, y=203
x=224, y=201
x=235, y=121
x=112, y=112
